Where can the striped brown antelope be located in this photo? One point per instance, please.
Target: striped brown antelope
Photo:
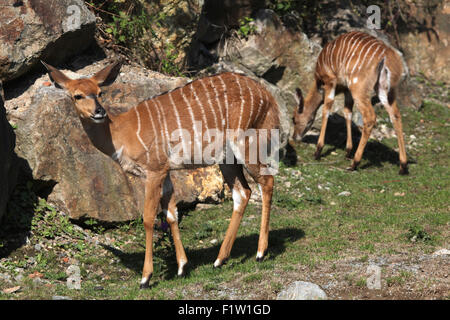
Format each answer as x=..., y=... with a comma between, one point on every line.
x=143, y=138
x=358, y=63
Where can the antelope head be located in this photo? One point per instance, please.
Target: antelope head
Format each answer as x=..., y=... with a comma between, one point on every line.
x=301, y=123
x=86, y=92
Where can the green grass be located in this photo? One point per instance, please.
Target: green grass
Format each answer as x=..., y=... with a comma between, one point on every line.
x=310, y=225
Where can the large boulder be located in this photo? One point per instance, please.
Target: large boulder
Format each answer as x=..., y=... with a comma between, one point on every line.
x=427, y=48
x=88, y=183
x=52, y=30
x=8, y=172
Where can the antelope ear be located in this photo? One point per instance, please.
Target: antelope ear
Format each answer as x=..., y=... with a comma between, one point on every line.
x=300, y=100
x=57, y=76
x=107, y=75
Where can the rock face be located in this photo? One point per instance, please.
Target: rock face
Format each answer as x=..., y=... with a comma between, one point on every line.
x=301, y=290
x=427, y=50
x=88, y=183
x=8, y=173
x=52, y=30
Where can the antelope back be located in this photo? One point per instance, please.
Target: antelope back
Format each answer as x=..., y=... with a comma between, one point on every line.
x=356, y=55
x=199, y=111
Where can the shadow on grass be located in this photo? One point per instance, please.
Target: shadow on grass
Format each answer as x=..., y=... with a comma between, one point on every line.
x=244, y=248
x=375, y=152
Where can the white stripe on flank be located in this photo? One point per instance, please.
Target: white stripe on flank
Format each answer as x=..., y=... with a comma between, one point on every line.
x=261, y=102
x=331, y=57
x=139, y=136
x=251, y=104
x=325, y=55
x=365, y=55
x=354, y=50
x=346, y=52
x=373, y=54
x=154, y=131
x=359, y=56
x=213, y=112
x=242, y=101
x=225, y=93
x=218, y=103
x=161, y=123
x=205, y=120
x=177, y=116
x=191, y=113
x=341, y=50
x=341, y=46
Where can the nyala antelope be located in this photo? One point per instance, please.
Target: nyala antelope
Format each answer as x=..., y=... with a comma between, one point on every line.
x=141, y=138
x=358, y=63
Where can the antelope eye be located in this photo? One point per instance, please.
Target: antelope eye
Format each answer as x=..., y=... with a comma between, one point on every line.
x=100, y=94
x=78, y=97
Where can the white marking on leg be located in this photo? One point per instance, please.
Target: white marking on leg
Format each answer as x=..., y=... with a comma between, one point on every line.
x=144, y=280
x=181, y=267
x=116, y=156
x=259, y=255
x=355, y=80
x=217, y=263
x=331, y=95
x=237, y=199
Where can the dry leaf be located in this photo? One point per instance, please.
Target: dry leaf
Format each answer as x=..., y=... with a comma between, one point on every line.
x=11, y=290
x=35, y=274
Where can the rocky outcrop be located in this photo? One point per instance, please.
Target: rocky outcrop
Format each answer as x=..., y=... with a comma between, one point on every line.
x=427, y=49
x=52, y=30
x=88, y=183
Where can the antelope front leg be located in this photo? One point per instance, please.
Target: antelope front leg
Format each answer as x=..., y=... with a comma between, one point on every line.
x=153, y=187
x=329, y=99
x=369, y=119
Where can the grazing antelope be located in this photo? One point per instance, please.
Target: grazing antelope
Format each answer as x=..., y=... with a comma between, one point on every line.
x=361, y=63
x=143, y=139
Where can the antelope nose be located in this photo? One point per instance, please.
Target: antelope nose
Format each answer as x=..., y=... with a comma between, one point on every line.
x=100, y=110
